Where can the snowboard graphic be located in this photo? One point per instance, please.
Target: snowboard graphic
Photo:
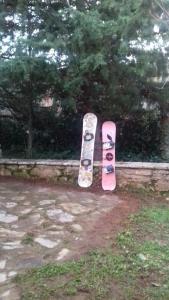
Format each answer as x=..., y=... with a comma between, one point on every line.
x=85, y=177
x=108, y=156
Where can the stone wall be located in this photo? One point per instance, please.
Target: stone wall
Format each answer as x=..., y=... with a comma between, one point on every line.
x=138, y=174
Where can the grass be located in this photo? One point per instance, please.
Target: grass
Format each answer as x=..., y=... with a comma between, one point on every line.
x=135, y=267
x=28, y=238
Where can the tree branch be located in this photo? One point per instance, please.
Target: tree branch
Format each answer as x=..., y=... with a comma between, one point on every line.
x=162, y=7
x=157, y=18
x=68, y=3
x=162, y=85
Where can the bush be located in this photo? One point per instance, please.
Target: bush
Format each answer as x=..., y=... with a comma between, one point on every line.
x=138, y=137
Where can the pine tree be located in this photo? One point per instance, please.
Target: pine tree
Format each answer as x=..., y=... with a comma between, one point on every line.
x=26, y=72
x=92, y=55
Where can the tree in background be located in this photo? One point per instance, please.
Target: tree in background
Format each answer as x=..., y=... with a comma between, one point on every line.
x=161, y=17
x=27, y=71
x=91, y=55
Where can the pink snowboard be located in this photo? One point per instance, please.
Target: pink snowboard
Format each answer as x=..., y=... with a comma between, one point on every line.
x=108, y=160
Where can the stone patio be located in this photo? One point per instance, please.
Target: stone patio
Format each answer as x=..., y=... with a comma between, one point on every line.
x=41, y=224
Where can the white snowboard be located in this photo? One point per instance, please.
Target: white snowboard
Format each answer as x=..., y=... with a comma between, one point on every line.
x=85, y=177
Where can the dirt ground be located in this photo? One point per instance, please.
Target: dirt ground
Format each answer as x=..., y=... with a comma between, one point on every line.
x=42, y=222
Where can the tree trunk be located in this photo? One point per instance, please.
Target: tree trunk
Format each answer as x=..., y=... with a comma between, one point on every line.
x=30, y=121
x=165, y=138
x=30, y=131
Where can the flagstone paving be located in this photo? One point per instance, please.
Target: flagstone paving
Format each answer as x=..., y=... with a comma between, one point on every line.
x=43, y=224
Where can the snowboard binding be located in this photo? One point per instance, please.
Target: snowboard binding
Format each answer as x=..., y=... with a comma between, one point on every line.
x=109, y=144
x=109, y=169
x=86, y=163
x=88, y=136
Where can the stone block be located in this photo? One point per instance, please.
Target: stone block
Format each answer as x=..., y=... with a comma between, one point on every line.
x=5, y=172
x=70, y=171
x=160, y=172
x=63, y=179
x=162, y=185
x=46, y=171
x=133, y=172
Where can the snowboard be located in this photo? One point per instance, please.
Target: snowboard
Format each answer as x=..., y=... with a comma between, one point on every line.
x=108, y=156
x=85, y=177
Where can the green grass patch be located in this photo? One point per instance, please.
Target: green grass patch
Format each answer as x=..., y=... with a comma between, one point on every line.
x=156, y=215
x=28, y=238
x=136, y=267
